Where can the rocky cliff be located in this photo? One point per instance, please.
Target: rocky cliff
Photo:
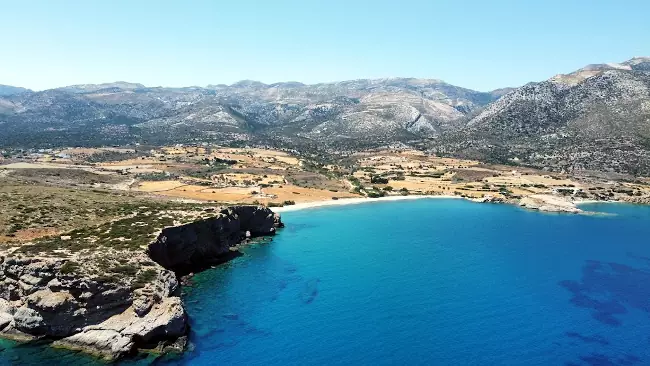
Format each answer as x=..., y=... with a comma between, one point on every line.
x=40, y=299
x=46, y=297
x=210, y=240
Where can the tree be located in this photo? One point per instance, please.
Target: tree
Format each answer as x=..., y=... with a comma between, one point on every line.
x=375, y=179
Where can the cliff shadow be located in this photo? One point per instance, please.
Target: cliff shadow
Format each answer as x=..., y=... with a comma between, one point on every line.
x=202, y=264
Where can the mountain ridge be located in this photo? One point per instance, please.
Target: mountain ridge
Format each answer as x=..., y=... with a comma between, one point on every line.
x=596, y=118
x=9, y=90
x=364, y=109
x=562, y=123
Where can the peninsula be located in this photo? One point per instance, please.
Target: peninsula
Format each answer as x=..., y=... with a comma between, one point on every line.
x=85, y=293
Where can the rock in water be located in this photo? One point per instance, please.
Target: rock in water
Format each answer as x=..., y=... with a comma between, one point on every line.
x=118, y=335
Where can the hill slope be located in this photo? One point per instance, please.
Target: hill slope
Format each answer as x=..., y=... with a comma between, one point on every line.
x=596, y=118
x=8, y=90
x=366, y=111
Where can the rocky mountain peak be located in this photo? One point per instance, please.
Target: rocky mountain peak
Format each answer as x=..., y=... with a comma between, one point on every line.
x=639, y=63
x=85, y=88
x=10, y=90
x=248, y=84
x=578, y=76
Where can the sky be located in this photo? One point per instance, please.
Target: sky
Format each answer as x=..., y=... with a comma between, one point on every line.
x=477, y=44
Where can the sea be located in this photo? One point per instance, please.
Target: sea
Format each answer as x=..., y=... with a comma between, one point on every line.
x=421, y=282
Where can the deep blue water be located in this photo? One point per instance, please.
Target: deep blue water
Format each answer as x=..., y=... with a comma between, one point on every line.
x=437, y=282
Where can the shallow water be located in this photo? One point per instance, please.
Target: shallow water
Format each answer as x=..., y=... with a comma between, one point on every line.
x=444, y=282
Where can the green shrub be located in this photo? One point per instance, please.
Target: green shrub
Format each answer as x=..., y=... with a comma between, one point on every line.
x=146, y=276
x=125, y=269
x=69, y=267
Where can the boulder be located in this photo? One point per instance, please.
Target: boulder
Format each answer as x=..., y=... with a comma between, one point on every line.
x=106, y=343
x=109, y=319
x=122, y=333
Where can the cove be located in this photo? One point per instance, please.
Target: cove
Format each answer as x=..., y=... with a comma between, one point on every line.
x=444, y=282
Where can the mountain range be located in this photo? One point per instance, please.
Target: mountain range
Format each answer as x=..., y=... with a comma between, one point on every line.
x=596, y=118
x=8, y=90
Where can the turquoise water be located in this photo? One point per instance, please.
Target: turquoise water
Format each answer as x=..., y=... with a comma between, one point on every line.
x=442, y=282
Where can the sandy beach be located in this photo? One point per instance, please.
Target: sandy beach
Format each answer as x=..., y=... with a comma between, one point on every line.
x=350, y=201
x=584, y=202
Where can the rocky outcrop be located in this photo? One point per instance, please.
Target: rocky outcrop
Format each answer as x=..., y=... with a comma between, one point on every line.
x=38, y=299
x=113, y=316
x=122, y=333
x=549, y=203
x=210, y=240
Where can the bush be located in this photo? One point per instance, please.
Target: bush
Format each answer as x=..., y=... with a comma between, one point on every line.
x=388, y=188
x=156, y=176
x=125, y=269
x=375, y=179
x=146, y=276
x=289, y=203
x=69, y=267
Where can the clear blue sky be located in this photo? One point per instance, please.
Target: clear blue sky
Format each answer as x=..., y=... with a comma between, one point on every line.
x=477, y=44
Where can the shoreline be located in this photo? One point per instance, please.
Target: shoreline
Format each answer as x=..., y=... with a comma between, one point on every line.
x=353, y=201
x=574, y=205
x=585, y=202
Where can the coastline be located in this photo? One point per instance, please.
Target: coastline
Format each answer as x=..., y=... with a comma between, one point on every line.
x=554, y=205
x=353, y=201
x=585, y=202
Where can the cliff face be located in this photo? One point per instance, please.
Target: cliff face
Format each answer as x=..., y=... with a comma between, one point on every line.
x=210, y=240
x=38, y=298
x=45, y=298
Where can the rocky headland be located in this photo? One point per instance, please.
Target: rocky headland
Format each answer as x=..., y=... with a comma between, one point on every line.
x=54, y=298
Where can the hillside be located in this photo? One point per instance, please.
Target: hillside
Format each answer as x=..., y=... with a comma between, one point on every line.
x=8, y=90
x=363, y=111
x=596, y=118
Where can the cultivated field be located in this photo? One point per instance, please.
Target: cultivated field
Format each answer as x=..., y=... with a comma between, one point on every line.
x=49, y=193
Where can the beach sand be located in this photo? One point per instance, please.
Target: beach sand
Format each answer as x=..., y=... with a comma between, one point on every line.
x=350, y=201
